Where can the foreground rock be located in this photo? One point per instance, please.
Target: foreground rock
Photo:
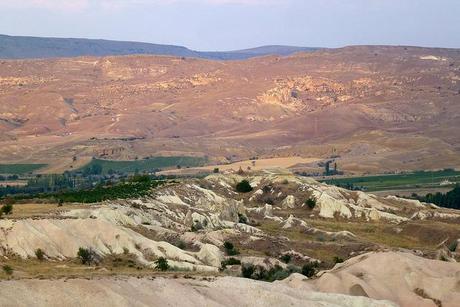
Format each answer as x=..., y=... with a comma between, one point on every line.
x=404, y=278
x=227, y=291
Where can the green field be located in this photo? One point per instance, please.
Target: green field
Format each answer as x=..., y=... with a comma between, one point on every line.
x=146, y=165
x=19, y=169
x=398, y=181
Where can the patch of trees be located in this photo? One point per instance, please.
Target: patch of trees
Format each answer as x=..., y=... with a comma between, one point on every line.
x=450, y=199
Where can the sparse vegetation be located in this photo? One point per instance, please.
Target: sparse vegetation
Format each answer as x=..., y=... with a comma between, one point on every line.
x=243, y=187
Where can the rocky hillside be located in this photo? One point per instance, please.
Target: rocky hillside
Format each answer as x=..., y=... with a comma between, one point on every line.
x=373, y=109
x=207, y=227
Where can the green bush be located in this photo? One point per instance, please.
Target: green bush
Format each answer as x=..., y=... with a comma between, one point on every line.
x=337, y=259
x=161, y=264
x=309, y=269
x=311, y=203
x=7, y=269
x=229, y=261
x=230, y=249
x=453, y=246
x=87, y=255
x=40, y=254
x=247, y=270
x=243, y=187
x=242, y=218
x=7, y=209
x=286, y=258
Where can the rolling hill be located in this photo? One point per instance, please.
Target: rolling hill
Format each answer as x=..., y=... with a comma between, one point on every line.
x=23, y=47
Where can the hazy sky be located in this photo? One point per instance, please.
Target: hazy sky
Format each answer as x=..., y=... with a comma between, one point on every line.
x=236, y=24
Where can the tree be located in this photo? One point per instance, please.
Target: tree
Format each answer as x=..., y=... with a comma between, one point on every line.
x=243, y=187
x=161, y=264
x=216, y=170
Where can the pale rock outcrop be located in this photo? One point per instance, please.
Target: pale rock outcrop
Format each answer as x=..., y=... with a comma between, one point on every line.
x=220, y=292
x=404, y=278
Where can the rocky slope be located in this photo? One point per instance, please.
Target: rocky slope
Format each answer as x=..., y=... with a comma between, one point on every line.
x=372, y=108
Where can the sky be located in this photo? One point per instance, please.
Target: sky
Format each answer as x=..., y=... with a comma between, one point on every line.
x=237, y=24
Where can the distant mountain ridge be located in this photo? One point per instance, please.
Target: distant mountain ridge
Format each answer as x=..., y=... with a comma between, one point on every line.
x=27, y=47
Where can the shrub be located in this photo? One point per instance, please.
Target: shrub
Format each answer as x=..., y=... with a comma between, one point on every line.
x=87, y=255
x=196, y=226
x=242, y=218
x=7, y=269
x=247, y=270
x=243, y=187
x=40, y=254
x=229, y=261
x=453, y=246
x=216, y=171
x=161, y=264
x=337, y=259
x=286, y=258
x=7, y=209
x=309, y=269
x=230, y=249
x=311, y=203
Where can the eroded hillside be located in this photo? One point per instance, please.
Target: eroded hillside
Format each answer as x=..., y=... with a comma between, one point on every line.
x=377, y=108
x=206, y=229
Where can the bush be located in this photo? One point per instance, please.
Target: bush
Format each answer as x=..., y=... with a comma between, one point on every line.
x=216, y=171
x=247, y=270
x=161, y=264
x=230, y=250
x=243, y=187
x=87, y=255
x=229, y=261
x=309, y=269
x=7, y=269
x=453, y=246
x=242, y=218
x=337, y=259
x=286, y=258
x=40, y=254
x=7, y=209
x=311, y=203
